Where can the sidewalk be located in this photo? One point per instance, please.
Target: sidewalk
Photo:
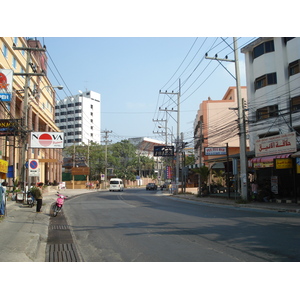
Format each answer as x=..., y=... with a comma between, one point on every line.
x=222, y=200
x=24, y=233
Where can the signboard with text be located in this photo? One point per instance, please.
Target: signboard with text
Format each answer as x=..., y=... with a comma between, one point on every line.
x=33, y=167
x=163, y=151
x=277, y=144
x=6, y=78
x=215, y=151
x=47, y=140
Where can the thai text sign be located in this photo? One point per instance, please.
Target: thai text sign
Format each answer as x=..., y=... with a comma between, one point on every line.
x=215, y=151
x=80, y=171
x=163, y=151
x=277, y=144
x=47, y=140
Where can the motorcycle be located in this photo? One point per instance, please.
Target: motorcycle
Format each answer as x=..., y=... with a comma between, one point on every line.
x=59, y=204
x=30, y=199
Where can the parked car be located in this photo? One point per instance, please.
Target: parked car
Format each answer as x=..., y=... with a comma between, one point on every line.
x=151, y=186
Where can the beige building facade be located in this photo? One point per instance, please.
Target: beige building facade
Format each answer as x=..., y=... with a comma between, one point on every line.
x=36, y=114
x=216, y=124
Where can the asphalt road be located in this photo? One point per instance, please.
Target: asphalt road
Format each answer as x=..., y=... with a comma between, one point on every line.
x=144, y=226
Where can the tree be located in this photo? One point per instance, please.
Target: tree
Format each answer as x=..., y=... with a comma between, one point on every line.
x=123, y=159
x=203, y=172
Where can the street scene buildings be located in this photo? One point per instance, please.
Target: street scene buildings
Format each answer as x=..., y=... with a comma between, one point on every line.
x=270, y=113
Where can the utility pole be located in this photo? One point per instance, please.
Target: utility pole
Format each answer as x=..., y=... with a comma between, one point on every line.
x=178, y=132
x=166, y=129
x=241, y=117
x=25, y=106
x=106, y=132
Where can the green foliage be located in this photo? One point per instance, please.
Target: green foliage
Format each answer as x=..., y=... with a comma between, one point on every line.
x=204, y=172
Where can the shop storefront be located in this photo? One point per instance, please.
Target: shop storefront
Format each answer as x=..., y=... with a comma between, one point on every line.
x=275, y=168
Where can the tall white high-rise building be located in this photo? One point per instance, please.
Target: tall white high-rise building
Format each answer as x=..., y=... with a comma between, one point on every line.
x=79, y=117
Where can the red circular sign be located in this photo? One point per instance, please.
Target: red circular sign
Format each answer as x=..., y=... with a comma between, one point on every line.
x=45, y=139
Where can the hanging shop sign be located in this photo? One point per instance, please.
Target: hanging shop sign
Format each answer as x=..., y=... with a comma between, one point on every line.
x=6, y=78
x=8, y=127
x=283, y=163
x=47, y=140
x=277, y=144
x=215, y=151
x=163, y=151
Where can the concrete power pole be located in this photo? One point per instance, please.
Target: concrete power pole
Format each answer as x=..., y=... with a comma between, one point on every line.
x=241, y=117
x=106, y=132
x=178, y=132
x=27, y=75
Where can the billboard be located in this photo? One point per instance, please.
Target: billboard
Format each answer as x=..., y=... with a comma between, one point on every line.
x=47, y=140
x=6, y=78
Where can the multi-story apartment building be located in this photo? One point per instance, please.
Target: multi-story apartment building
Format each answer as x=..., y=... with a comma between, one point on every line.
x=216, y=124
x=29, y=109
x=273, y=87
x=79, y=118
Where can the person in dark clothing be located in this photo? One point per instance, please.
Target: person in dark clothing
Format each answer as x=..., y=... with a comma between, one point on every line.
x=39, y=197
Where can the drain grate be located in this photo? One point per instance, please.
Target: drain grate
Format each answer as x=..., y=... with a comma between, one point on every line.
x=59, y=227
x=62, y=253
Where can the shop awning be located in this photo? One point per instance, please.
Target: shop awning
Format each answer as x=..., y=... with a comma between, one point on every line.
x=296, y=154
x=268, y=159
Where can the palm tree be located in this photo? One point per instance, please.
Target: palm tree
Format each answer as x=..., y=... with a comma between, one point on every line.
x=203, y=172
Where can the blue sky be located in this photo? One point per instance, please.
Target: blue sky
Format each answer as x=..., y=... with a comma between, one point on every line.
x=128, y=72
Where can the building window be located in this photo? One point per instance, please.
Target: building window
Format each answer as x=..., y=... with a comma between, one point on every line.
x=263, y=48
x=78, y=119
x=62, y=120
x=77, y=125
x=63, y=106
x=70, y=126
x=71, y=105
x=294, y=68
x=70, y=119
x=4, y=50
x=267, y=79
x=295, y=104
x=14, y=63
x=267, y=112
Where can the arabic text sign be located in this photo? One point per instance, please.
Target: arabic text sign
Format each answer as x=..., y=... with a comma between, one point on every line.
x=277, y=144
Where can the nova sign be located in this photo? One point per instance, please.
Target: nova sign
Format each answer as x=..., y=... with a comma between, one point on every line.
x=47, y=140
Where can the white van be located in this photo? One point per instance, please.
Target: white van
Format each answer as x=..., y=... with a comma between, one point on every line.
x=116, y=184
